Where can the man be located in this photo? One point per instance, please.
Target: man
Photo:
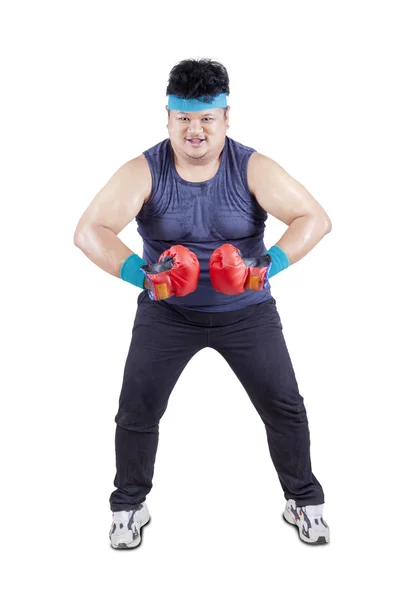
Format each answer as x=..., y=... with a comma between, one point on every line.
x=201, y=200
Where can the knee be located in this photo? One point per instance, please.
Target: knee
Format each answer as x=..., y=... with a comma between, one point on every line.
x=291, y=409
x=140, y=412
x=285, y=405
x=134, y=421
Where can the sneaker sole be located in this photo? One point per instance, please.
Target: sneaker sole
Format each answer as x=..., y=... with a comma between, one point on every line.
x=321, y=540
x=134, y=544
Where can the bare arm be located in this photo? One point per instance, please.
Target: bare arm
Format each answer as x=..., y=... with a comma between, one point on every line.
x=287, y=200
x=116, y=205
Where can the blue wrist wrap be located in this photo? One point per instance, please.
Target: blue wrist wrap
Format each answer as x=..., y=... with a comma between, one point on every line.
x=280, y=260
x=130, y=270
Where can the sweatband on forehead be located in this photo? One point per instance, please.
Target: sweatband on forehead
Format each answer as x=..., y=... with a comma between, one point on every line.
x=196, y=104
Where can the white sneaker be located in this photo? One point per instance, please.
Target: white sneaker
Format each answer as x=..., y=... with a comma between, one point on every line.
x=125, y=528
x=311, y=525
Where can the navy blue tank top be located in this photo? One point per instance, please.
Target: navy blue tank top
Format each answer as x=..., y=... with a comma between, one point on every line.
x=202, y=216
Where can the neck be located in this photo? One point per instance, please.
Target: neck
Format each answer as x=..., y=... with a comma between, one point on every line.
x=197, y=169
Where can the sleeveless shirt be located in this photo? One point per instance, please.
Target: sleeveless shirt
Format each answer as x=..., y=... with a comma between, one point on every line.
x=202, y=216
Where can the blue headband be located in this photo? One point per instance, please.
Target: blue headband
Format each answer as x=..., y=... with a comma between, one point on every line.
x=196, y=104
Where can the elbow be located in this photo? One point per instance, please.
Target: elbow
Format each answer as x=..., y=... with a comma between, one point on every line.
x=324, y=222
x=328, y=225
x=78, y=239
x=320, y=222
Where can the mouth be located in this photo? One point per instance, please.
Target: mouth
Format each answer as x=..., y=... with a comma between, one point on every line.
x=196, y=142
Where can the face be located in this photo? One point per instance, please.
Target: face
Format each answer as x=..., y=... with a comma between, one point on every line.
x=198, y=137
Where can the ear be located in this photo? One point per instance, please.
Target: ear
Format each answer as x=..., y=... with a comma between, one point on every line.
x=227, y=117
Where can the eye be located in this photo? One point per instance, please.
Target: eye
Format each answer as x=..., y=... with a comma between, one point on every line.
x=204, y=118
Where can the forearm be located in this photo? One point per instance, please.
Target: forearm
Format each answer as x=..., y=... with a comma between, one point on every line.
x=302, y=235
x=103, y=248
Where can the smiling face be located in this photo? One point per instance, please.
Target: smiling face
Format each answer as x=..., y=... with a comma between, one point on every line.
x=198, y=137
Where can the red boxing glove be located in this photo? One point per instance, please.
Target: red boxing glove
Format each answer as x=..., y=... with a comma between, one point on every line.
x=231, y=274
x=176, y=273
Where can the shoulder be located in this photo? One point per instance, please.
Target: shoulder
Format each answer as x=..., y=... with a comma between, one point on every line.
x=262, y=167
x=135, y=173
x=153, y=160
x=238, y=147
x=158, y=149
x=260, y=161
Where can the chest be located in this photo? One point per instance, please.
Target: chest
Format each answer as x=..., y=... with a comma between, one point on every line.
x=204, y=213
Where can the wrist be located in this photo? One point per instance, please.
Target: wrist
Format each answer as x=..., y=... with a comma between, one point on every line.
x=130, y=270
x=280, y=260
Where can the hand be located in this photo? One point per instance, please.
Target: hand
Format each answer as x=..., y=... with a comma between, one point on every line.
x=176, y=273
x=231, y=274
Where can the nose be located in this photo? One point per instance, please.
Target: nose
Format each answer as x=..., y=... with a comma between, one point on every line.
x=195, y=126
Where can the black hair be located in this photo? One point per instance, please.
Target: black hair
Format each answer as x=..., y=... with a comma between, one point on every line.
x=192, y=78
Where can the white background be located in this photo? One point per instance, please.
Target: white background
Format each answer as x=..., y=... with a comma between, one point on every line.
x=313, y=86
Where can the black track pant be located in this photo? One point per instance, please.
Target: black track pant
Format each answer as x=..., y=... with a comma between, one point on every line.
x=164, y=339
